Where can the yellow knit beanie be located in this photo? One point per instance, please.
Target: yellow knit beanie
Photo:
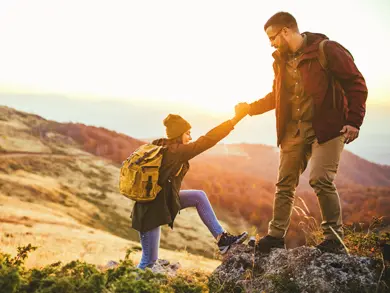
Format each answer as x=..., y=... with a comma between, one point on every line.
x=175, y=125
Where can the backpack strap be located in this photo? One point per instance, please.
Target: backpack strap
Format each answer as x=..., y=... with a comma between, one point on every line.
x=178, y=172
x=324, y=64
x=322, y=56
x=146, y=156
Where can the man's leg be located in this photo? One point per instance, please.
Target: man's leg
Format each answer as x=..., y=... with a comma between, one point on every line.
x=324, y=164
x=294, y=156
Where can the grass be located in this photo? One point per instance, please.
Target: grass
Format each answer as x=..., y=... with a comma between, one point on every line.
x=78, y=276
x=355, y=241
x=51, y=202
x=60, y=236
x=53, y=227
x=86, y=189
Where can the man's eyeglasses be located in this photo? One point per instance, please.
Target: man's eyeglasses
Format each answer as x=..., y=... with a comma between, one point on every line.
x=271, y=39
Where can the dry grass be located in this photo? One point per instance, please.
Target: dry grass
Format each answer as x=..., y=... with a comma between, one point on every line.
x=70, y=208
x=63, y=202
x=86, y=188
x=61, y=238
x=308, y=224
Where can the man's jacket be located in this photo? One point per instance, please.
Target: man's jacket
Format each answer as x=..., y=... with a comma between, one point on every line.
x=328, y=119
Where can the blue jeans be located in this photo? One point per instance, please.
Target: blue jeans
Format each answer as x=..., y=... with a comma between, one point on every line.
x=150, y=240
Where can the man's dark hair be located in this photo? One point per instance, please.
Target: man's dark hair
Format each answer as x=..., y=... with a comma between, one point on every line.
x=282, y=19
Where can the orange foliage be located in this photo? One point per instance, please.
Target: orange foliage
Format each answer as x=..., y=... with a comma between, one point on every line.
x=246, y=196
x=243, y=186
x=100, y=141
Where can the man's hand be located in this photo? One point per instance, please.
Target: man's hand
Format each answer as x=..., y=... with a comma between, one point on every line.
x=242, y=109
x=350, y=133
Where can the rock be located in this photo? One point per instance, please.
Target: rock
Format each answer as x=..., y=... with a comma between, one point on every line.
x=302, y=269
x=109, y=265
x=165, y=267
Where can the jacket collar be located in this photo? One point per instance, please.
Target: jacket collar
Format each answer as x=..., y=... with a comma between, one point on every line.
x=311, y=42
x=301, y=49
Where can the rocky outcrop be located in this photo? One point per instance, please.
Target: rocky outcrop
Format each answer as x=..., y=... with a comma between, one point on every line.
x=302, y=269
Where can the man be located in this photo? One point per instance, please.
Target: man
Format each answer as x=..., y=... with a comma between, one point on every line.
x=319, y=98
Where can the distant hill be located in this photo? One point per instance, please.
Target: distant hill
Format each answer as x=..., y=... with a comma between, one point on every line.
x=239, y=179
x=73, y=170
x=144, y=120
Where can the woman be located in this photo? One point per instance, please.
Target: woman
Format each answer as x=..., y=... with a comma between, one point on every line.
x=148, y=217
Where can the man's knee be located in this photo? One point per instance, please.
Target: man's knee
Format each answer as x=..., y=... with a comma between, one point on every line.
x=285, y=188
x=287, y=181
x=285, y=195
x=321, y=182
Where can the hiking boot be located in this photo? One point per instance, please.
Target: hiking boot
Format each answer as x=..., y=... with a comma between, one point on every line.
x=269, y=242
x=332, y=246
x=226, y=240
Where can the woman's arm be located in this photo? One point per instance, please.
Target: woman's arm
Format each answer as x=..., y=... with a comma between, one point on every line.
x=211, y=138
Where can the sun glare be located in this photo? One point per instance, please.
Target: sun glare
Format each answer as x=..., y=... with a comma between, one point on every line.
x=172, y=51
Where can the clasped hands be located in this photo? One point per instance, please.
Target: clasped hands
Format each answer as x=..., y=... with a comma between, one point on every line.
x=241, y=110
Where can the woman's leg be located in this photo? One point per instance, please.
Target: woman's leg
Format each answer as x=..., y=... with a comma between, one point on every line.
x=198, y=199
x=150, y=242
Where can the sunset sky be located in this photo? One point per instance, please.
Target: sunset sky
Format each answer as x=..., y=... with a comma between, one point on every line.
x=203, y=54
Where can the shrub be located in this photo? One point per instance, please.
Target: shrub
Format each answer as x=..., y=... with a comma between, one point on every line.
x=77, y=276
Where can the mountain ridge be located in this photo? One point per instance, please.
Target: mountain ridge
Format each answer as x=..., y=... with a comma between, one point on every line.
x=239, y=179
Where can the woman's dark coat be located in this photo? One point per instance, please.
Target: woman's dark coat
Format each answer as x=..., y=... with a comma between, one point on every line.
x=164, y=208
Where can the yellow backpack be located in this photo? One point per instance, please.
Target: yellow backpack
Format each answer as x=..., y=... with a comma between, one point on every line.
x=139, y=173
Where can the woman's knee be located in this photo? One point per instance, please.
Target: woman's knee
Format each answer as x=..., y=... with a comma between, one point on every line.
x=201, y=195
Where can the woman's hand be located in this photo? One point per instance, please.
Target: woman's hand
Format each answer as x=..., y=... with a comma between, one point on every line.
x=241, y=111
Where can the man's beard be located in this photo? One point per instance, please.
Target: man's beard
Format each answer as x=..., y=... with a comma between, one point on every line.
x=283, y=47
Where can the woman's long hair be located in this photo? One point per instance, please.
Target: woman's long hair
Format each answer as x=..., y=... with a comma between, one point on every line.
x=168, y=141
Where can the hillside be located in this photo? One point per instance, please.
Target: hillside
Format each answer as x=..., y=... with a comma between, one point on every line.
x=59, y=237
x=40, y=165
x=125, y=117
x=239, y=180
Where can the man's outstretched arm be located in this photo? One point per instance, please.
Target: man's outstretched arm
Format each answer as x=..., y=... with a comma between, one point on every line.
x=263, y=105
x=260, y=106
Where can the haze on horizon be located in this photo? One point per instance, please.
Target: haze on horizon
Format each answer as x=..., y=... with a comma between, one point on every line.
x=97, y=62
x=203, y=54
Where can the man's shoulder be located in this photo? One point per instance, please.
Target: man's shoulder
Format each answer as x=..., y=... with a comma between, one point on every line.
x=333, y=47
